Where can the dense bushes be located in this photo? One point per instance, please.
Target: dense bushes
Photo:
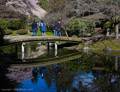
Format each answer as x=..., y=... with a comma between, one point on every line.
x=17, y=24
x=80, y=27
x=8, y=31
x=22, y=31
x=12, y=24
x=109, y=25
x=4, y=23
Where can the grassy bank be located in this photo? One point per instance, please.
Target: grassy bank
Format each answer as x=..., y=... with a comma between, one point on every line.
x=107, y=42
x=14, y=33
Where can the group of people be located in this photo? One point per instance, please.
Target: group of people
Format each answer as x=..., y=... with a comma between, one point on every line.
x=56, y=29
x=35, y=28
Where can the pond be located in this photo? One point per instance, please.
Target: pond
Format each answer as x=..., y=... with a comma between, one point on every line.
x=63, y=71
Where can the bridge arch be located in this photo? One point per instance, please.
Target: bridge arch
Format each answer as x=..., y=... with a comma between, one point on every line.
x=20, y=39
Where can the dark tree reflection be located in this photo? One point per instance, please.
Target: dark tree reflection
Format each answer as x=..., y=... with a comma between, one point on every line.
x=1, y=36
x=6, y=83
x=89, y=73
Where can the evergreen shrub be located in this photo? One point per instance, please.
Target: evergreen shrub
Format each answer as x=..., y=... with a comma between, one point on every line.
x=22, y=31
x=8, y=31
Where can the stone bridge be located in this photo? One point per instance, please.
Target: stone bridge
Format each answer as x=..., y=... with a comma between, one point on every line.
x=50, y=39
x=21, y=39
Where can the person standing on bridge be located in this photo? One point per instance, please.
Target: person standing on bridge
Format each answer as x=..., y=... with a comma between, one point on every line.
x=59, y=28
x=55, y=29
x=34, y=28
x=42, y=28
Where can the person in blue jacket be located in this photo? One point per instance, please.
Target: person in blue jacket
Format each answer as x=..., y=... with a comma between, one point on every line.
x=42, y=28
x=34, y=28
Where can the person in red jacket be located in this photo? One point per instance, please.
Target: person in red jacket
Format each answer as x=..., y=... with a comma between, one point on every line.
x=59, y=28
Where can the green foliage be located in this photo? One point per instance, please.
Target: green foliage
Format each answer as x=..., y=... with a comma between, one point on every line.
x=109, y=25
x=29, y=28
x=80, y=28
x=8, y=31
x=22, y=31
x=9, y=48
x=43, y=4
x=17, y=24
x=116, y=19
x=14, y=33
x=4, y=23
x=12, y=24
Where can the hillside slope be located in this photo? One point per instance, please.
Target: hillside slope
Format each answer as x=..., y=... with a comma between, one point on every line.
x=15, y=8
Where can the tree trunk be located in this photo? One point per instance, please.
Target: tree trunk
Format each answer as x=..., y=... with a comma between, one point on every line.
x=66, y=33
x=116, y=30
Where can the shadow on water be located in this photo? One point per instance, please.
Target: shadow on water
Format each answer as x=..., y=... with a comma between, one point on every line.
x=1, y=36
x=90, y=72
x=67, y=45
x=6, y=84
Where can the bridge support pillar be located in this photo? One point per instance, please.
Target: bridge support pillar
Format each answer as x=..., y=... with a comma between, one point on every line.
x=55, y=49
x=55, y=46
x=23, y=50
x=22, y=46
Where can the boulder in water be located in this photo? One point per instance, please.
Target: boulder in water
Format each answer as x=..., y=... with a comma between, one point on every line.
x=108, y=49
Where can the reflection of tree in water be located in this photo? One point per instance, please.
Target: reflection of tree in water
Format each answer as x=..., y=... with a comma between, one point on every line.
x=63, y=79
x=19, y=74
x=85, y=63
x=49, y=75
x=35, y=75
x=6, y=83
x=64, y=76
x=107, y=80
x=1, y=36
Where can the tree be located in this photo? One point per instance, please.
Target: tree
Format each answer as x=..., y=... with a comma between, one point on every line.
x=68, y=10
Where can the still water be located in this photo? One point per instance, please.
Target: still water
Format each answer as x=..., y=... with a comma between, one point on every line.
x=61, y=71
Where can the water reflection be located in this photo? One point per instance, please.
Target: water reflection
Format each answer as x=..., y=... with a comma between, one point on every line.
x=57, y=69
x=90, y=72
x=32, y=50
x=56, y=52
x=43, y=70
x=35, y=75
